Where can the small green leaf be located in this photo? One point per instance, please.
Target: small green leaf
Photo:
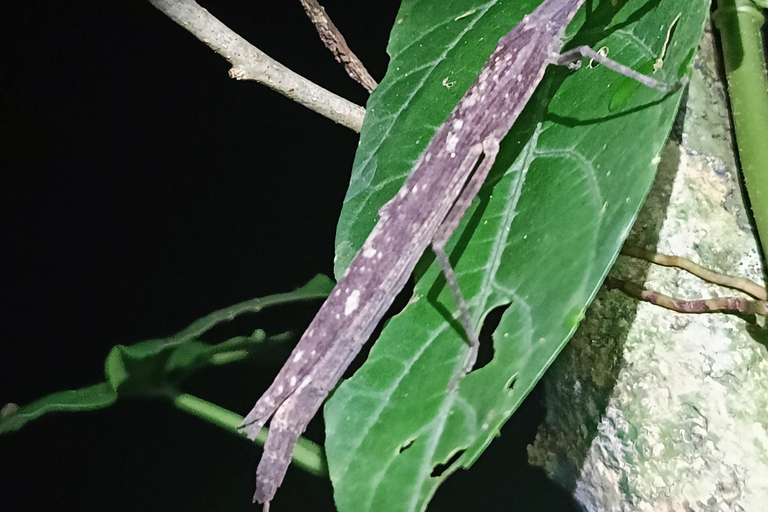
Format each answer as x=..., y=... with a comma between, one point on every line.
x=84, y=399
x=143, y=368
x=157, y=367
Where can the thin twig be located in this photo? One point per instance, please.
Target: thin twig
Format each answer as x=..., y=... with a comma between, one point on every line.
x=334, y=41
x=250, y=63
x=720, y=304
x=736, y=283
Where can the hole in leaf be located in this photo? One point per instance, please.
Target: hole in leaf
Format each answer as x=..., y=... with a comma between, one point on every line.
x=511, y=383
x=406, y=445
x=491, y=322
x=441, y=468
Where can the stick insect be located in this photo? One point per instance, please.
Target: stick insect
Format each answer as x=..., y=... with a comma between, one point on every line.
x=426, y=211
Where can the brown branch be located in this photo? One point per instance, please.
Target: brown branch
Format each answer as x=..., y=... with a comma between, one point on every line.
x=334, y=41
x=721, y=304
x=736, y=283
x=250, y=63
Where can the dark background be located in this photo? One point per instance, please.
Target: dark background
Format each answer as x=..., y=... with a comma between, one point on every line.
x=140, y=189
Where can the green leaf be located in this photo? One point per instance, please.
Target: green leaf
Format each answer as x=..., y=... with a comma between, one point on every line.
x=84, y=399
x=538, y=241
x=157, y=367
x=143, y=368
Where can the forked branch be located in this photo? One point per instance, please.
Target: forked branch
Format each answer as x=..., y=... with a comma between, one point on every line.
x=250, y=63
x=718, y=304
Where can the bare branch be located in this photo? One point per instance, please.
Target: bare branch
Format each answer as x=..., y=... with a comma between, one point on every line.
x=250, y=63
x=736, y=283
x=720, y=304
x=335, y=42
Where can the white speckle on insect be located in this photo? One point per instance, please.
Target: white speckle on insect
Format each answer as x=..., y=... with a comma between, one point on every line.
x=415, y=189
x=352, y=302
x=379, y=255
x=363, y=269
x=310, y=333
x=369, y=252
x=279, y=389
x=293, y=381
x=313, y=352
x=338, y=291
x=298, y=356
x=338, y=316
x=457, y=124
x=451, y=141
x=453, y=155
x=403, y=192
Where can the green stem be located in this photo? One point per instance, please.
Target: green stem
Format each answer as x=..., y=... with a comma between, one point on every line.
x=307, y=455
x=317, y=288
x=739, y=23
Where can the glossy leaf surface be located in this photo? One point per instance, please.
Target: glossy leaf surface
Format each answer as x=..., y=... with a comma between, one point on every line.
x=538, y=241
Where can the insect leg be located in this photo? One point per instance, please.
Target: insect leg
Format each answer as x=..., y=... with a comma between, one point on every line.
x=489, y=150
x=571, y=59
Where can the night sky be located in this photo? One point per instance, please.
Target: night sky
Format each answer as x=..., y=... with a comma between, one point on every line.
x=142, y=188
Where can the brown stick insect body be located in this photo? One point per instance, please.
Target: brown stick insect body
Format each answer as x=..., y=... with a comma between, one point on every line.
x=426, y=210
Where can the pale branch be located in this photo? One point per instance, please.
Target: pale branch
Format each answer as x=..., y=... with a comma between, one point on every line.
x=720, y=304
x=736, y=283
x=250, y=63
x=334, y=41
